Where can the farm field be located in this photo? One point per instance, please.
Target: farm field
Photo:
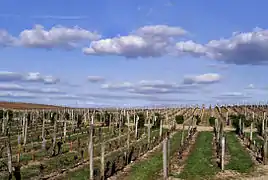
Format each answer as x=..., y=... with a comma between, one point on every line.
x=45, y=142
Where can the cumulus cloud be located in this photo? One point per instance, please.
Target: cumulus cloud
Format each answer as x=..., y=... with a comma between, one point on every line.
x=154, y=41
x=240, y=48
x=131, y=46
x=57, y=36
x=147, y=41
x=6, y=76
x=208, y=78
x=95, y=79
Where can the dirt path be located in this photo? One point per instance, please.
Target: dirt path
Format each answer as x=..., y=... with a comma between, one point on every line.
x=208, y=128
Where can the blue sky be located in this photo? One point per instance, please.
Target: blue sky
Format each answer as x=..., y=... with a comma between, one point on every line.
x=133, y=53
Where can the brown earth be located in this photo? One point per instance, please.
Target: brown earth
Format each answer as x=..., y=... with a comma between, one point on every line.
x=21, y=105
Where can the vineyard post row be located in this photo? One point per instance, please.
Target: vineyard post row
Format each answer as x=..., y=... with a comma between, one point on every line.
x=23, y=118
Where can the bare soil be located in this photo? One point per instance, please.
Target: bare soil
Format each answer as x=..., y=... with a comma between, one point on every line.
x=22, y=105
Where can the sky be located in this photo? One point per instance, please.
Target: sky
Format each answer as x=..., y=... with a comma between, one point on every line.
x=102, y=53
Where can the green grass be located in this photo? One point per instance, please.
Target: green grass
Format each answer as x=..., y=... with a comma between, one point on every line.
x=147, y=169
x=240, y=160
x=199, y=164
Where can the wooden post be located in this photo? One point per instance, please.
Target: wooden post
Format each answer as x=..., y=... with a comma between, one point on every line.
x=182, y=135
x=119, y=124
x=222, y=152
x=90, y=149
x=149, y=133
x=136, y=127
x=25, y=131
x=265, y=149
x=251, y=128
x=128, y=131
x=168, y=150
x=9, y=157
x=240, y=126
x=134, y=119
x=102, y=158
x=43, y=133
x=243, y=127
x=161, y=128
x=165, y=168
x=227, y=118
x=263, y=127
x=65, y=126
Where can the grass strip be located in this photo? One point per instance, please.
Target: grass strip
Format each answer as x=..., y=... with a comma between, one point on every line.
x=199, y=164
x=147, y=169
x=240, y=160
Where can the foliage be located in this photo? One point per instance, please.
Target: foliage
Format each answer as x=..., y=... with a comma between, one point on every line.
x=212, y=121
x=79, y=120
x=198, y=119
x=107, y=118
x=179, y=119
x=67, y=116
x=159, y=118
x=259, y=128
x=235, y=121
x=141, y=121
x=123, y=120
x=2, y=114
x=97, y=116
x=53, y=118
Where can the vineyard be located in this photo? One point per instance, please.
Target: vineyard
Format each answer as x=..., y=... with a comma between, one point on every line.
x=223, y=142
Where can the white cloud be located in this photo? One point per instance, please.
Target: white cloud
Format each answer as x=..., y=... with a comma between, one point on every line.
x=146, y=87
x=251, y=86
x=6, y=39
x=117, y=86
x=20, y=88
x=161, y=31
x=240, y=48
x=147, y=41
x=16, y=96
x=131, y=46
x=190, y=47
x=95, y=79
x=56, y=37
x=6, y=76
x=208, y=78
